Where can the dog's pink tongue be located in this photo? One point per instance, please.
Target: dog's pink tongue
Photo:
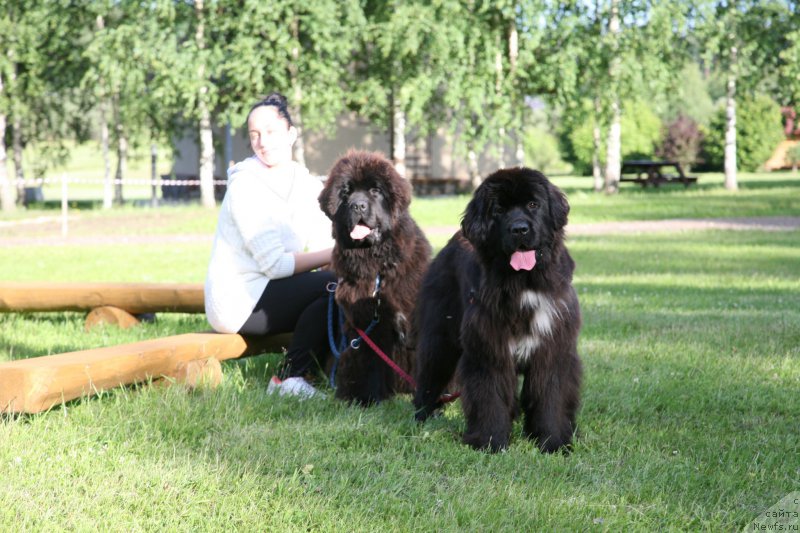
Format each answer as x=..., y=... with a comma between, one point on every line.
x=359, y=232
x=523, y=260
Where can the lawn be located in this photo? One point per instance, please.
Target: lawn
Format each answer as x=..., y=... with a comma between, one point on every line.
x=691, y=349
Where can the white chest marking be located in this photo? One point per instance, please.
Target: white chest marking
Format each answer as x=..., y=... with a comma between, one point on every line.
x=544, y=313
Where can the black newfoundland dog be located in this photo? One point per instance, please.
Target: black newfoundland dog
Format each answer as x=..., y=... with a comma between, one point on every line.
x=496, y=302
x=380, y=256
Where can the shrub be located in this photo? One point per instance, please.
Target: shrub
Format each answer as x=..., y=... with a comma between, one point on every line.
x=758, y=131
x=541, y=151
x=682, y=142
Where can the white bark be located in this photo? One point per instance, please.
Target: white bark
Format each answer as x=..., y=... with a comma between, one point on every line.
x=597, y=172
x=154, y=174
x=613, y=150
x=108, y=181
x=474, y=174
x=399, y=139
x=6, y=191
x=206, y=157
x=730, y=128
x=122, y=163
x=613, y=142
x=19, y=171
x=299, y=152
x=206, y=163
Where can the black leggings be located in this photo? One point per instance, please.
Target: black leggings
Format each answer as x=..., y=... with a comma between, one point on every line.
x=296, y=304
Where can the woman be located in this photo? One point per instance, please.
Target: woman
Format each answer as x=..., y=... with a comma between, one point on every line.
x=270, y=238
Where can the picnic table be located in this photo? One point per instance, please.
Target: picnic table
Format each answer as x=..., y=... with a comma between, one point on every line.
x=646, y=172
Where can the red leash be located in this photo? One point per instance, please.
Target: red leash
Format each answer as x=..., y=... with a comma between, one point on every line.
x=445, y=398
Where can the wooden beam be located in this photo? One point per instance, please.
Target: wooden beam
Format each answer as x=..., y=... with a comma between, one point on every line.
x=36, y=384
x=132, y=297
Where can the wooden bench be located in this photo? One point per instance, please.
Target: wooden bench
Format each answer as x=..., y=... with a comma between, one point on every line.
x=648, y=172
x=134, y=298
x=38, y=383
x=108, y=303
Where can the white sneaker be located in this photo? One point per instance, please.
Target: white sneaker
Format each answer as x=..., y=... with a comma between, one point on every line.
x=295, y=386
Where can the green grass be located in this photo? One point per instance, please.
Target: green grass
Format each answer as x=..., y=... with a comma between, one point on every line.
x=691, y=349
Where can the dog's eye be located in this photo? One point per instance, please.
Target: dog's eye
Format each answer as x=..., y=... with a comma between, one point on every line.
x=375, y=191
x=497, y=211
x=532, y=205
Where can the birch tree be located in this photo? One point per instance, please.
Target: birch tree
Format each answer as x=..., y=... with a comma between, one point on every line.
x=748, y=41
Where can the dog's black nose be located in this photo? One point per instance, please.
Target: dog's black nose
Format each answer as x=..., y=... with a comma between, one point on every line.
x=519, y=228
x=358, y=205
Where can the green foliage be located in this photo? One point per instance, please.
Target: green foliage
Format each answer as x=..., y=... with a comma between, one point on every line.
x=641, y=134
x=690, y=96
x=541, y=151
x=789, y=80
x=759, y=130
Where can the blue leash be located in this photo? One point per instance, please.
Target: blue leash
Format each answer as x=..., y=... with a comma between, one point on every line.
x=337, y=349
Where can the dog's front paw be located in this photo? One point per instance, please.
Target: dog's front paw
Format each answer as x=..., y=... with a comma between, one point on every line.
x=487, y=442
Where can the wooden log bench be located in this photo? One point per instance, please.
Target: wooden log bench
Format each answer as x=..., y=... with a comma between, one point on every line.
x=134, y=298
x=120, y=304
x=37, y=384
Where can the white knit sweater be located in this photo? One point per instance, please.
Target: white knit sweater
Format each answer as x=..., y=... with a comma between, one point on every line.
x=264, y=218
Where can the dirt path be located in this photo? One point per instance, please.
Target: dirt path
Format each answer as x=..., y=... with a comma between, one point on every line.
x=47, y=232
x=669, y=225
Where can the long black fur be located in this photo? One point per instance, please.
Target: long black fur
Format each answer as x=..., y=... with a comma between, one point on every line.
x=364, y=188
x=478, y=316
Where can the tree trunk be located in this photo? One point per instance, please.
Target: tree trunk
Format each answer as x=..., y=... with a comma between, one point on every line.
x=19, y=171
x=597, y=170
x=399, y=139
x=730, y=128
x=474, y=173
x=519, y=150
x=206, y=163
x=153, y=174
x=613, y=144
x=613, y=151
x=297, y=96
x=122, y=163
x=6, y=195
x=108, y=181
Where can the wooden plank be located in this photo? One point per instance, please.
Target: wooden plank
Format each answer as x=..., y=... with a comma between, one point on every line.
x=132, y=297
x=36, y=384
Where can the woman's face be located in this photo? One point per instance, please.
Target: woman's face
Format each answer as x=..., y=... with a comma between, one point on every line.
x=271, y=138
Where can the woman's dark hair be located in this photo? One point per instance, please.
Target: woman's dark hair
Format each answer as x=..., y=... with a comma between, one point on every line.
x=278, y=101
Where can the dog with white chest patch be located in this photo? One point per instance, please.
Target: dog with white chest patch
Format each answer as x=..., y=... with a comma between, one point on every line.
x=498, y=302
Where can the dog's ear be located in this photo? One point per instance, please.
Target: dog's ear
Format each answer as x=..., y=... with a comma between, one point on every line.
x=559, y=207
x=477, y=217
x=325, y=197
x=330, y=197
